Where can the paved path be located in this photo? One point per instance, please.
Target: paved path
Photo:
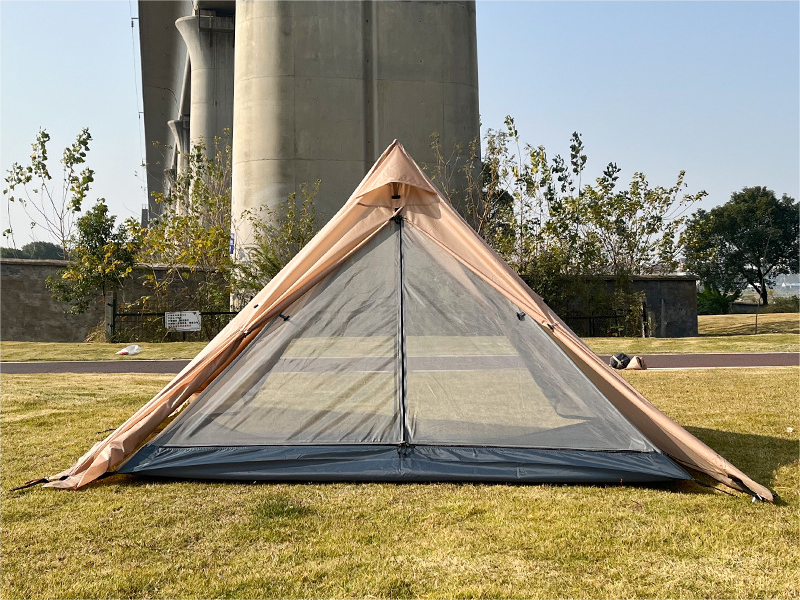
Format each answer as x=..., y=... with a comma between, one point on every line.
x=654, y=361
x=703, y=361
x=94, y=366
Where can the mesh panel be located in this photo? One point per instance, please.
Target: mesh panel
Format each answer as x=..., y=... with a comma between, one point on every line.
x=487, y=377
x=476, y=375
x=327, y=375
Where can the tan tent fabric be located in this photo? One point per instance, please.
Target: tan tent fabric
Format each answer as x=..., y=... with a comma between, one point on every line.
x=368, y=210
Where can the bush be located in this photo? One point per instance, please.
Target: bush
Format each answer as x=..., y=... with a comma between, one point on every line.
x=710, y=301
x=783, y=304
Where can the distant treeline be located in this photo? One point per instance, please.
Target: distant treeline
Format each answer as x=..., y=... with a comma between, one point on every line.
x=34, y=251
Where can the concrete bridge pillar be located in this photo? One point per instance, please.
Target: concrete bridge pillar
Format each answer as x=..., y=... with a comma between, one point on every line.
x=180, y=139
x=321, y=88
x=210, y=44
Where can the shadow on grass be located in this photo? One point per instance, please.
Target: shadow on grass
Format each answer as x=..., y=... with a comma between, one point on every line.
x=759, y=456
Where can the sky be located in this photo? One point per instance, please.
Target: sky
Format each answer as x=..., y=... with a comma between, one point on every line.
x=712, y=88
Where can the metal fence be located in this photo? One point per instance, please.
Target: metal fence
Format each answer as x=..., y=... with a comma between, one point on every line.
x=149, y=327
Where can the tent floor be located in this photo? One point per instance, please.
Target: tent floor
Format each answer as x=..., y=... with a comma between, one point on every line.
x=402, y=464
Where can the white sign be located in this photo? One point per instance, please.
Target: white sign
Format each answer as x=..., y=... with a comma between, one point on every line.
x=188, y=320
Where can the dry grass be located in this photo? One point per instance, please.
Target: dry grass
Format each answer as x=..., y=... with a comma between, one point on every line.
x=779, y=332
x=38, y=351
x=127, y=537
x=745, y=324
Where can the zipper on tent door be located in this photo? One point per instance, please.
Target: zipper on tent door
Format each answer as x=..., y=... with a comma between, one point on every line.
x=404, y=431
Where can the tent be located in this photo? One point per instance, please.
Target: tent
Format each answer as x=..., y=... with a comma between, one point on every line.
x=397, y=346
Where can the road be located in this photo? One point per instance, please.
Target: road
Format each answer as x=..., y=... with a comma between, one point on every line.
x=653, y=361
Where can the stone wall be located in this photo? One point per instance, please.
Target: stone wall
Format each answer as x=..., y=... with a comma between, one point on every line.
x=671, y=303
x=28, y=312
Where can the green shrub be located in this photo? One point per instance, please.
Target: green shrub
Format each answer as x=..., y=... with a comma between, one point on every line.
x=710, y=301
x=783, y=304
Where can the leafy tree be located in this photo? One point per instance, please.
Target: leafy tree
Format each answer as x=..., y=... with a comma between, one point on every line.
x=192, y=234
x=277, y=236
x=101, y=258
x=43, y=250
x=192, y=237
x=561, y=233
x=484, y=199
x=711, y=301
x=746, y=241
x=6, y=252
x=32, y=188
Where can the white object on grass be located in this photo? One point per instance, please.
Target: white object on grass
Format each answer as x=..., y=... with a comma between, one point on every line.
x=130, y=350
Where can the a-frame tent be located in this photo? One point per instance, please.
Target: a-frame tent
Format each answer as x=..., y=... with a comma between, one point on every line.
x=397, y=346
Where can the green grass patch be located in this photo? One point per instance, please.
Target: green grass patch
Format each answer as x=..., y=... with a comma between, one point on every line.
x=135, y=537
x=767, y=342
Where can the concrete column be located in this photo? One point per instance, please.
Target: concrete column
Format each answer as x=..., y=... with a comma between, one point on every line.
x=427, y=75
x=321, y=88
x=181, y=142
x=182, y=146
x=163, y=56
x=210, y=43
x=299, y=104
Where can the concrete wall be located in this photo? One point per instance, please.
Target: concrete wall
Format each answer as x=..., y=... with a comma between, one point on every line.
x=671, y=306
x=671, y=303
x=28, y=312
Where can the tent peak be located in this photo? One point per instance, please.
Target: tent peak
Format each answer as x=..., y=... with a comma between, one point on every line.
x=395, y=166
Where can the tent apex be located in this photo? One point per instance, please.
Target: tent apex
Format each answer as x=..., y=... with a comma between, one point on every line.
x=395, y=165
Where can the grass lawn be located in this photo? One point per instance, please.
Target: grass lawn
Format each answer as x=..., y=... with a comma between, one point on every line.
x=779, y=332
x=34, y=351
x=745, y=324
x=767, y=342
x=133, y=537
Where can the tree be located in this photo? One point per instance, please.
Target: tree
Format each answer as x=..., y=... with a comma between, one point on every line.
x=101, y=258
x=43, y=251
x=31, y=187
x=192, y=234
x=560, y=232
x=746, y=241
x=277, y=236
